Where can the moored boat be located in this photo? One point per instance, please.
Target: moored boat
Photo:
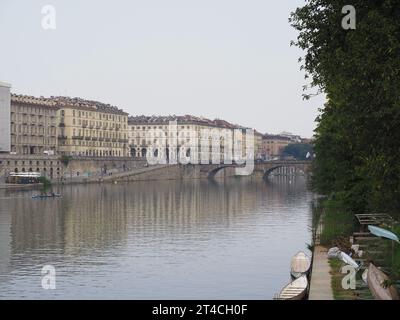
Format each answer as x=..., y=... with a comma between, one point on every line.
x=295, y=290
x=376, y=282
x=300, y=265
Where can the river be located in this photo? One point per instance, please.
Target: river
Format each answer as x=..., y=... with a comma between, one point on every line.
x=230, y=239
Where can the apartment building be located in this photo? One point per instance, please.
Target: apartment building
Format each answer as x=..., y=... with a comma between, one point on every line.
x=188, y=133
x=273, y=145
x=33, y=125
x=91, y=128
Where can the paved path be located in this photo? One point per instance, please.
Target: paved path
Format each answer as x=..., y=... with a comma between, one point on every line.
x=320, y=287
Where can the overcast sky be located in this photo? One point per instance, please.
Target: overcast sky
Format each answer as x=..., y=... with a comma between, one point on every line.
x=228, y=59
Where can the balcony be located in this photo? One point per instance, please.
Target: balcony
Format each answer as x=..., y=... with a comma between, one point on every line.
x=77, y=137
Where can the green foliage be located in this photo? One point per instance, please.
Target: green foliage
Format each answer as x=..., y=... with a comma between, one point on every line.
x=392, y=255
x=357, y=140
x=338, y=224
x=298, y=150
x=65, y=160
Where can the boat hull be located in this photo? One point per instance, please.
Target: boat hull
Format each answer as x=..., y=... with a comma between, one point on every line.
x=300, y=265
x=295, y=290
x=375, y=280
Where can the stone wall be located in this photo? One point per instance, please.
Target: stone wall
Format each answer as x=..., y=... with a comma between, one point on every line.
x=53, y=167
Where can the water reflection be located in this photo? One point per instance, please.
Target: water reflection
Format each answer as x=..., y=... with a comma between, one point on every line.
x=166, y=239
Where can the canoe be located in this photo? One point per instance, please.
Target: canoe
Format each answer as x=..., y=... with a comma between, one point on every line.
x=295, y=290
x=46, y=196
x=348, y=260
x=383, y=233
x=300, y=265
x=375, y=280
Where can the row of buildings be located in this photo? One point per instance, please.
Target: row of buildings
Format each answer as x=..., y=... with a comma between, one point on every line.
x=78, y=127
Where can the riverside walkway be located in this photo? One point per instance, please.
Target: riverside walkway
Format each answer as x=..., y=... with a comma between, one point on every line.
x=321, y=279
x=320, y=287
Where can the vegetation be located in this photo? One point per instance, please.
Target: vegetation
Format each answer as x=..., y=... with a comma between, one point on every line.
x=338, y=292
x=298, y=150
x=338, y=223
x=357, y=140
x=391, y=254
x=65, y=160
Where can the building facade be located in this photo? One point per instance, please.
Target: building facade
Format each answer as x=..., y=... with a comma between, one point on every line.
x=91, y=128
x=186, y=134
x=33, y=125
x=273, y=145
x=5, y=124
x=49, y=166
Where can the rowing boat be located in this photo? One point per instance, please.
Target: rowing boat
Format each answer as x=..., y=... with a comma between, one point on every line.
x=300, y=265
x=376, y=280
x=44, y=196
x=295, y=290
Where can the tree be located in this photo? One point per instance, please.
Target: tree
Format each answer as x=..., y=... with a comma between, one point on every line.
x=298, y=150
x=357, y=140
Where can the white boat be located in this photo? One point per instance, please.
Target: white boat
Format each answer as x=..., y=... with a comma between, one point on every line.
x=376, y=283
x=348, y=260
x=296, y=290
x=300, y=265
x=383, y=233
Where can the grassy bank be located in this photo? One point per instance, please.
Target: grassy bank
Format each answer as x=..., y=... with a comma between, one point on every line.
x=338, y=223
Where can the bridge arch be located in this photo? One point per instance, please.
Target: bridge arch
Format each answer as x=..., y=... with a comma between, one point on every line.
x=211, y=174
x=267, y=172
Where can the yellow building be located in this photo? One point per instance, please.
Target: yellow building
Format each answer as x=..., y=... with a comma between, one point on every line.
x=91, y=128
x=33, y=125
x=273, y=145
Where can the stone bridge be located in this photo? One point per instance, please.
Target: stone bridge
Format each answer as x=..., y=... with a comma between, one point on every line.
x=199, y=171
x=286, y=167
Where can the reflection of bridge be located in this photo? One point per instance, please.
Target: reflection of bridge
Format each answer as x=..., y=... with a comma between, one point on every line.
x=285, y=167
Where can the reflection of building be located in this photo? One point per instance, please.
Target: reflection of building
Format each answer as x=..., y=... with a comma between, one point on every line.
x=33, y=125
x=91, y=128
x=187, y=132
x=5, y=134
x=273, y=145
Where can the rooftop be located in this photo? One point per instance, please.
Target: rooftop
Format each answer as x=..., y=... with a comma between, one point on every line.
x=187, y=119
x=60, y=102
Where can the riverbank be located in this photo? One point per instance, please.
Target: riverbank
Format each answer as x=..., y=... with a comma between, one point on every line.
x=336, y=226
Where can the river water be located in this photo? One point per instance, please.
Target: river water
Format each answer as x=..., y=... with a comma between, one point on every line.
x=229, y=239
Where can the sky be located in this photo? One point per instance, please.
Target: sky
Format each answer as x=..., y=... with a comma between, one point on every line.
x=227, y=59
